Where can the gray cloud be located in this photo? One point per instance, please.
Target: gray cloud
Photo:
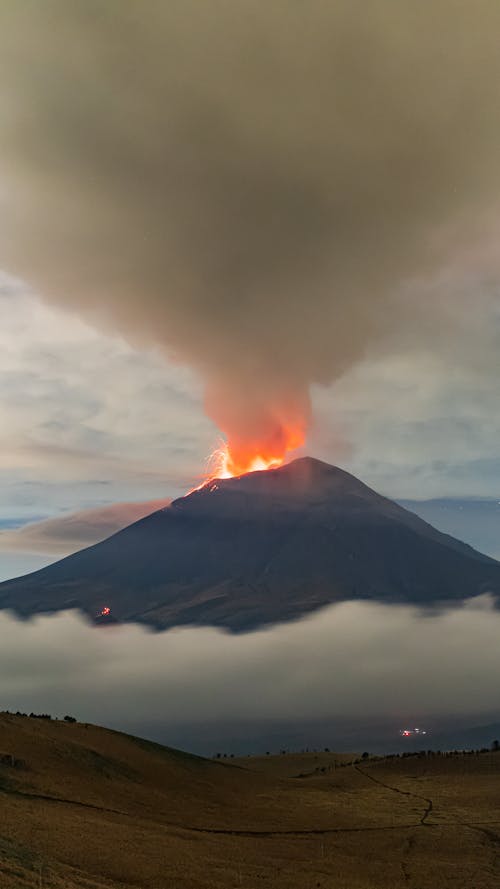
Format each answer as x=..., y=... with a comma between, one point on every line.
x=68, y=533
x=247, y=185
x=84, y=418
x=388, y=663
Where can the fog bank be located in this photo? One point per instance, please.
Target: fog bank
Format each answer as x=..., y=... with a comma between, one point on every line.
x=349, y=662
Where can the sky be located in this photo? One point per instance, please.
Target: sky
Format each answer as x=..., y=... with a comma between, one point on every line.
x=275, y=224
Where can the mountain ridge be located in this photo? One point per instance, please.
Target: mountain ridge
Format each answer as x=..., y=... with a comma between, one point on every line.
x=262, y=548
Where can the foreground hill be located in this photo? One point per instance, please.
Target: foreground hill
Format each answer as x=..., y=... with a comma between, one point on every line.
x=86, y=808
x=266, y=547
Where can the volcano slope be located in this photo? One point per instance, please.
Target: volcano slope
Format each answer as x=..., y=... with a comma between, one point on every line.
x=87, y=808
x=265, y=547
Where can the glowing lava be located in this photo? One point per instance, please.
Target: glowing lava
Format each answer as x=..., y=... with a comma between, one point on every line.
x=223, y=465
x=260, y=424
x=230, y=460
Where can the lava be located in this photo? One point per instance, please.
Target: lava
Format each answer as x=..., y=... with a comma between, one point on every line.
x=260, y=427
x=222, y=464
x=231, y=459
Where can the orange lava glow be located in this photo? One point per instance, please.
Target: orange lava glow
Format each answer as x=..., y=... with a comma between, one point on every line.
x=230, y=461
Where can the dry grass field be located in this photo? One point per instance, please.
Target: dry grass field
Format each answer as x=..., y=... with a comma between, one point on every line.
x=88, y=808
x=294, y=765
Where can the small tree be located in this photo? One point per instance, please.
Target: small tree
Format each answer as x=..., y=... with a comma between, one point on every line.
x=496, y=745
x=69, y=719
x=365, y=755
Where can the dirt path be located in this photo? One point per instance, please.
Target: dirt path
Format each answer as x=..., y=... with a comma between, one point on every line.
x=404, y=863
x=410, y=793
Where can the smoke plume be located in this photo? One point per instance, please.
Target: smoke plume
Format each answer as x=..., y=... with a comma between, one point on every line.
x=244, y=185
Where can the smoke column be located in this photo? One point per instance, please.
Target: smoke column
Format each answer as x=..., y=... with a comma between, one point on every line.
x=247, y=186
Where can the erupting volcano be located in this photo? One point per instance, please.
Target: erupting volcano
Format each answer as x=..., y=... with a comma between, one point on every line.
x=261, y=426
x=260, y=548
x=232, y=460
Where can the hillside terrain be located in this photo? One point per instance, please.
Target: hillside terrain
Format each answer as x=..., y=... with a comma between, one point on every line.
x=263, y=548
x=87, y=808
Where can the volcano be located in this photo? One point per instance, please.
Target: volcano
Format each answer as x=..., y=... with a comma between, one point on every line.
x=263, y=548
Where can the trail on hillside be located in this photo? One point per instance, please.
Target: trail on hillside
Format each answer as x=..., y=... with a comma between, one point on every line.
x=425, y=799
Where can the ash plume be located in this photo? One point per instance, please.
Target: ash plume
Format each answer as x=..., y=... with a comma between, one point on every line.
x=247, y=186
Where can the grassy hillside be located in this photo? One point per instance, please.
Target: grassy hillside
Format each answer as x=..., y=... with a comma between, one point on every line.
x=82, y=807
x=295, y=765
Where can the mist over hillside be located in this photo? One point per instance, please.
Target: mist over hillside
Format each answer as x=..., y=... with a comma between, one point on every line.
x=353, y=671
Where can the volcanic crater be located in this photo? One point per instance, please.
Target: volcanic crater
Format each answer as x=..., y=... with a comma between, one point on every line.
x=262, y=548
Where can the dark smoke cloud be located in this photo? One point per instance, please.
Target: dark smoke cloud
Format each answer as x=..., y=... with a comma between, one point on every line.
x=246, y=185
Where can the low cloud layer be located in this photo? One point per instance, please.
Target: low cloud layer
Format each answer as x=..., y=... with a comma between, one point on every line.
x=350, y=661
x=68, y=533
x=248, y=186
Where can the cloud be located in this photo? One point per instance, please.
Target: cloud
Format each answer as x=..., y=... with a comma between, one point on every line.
x=352, y=659
x=418, y=424
x=85, y=419
x=400, y=421
x=250, y=188
x=68, y=533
